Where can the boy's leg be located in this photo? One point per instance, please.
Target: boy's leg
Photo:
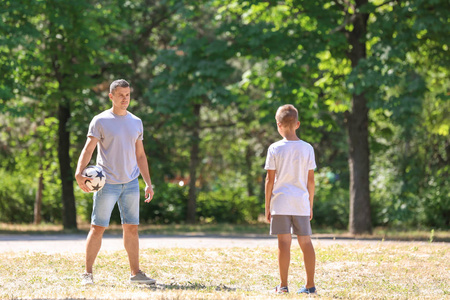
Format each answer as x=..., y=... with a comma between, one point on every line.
x=93, y=245
x=284, y=257
x=309, y=257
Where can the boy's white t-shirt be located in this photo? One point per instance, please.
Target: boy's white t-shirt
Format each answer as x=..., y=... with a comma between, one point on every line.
x=292, y=161
x=116, y=148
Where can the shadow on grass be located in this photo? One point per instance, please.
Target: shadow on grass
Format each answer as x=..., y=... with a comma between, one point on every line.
x=189, y=286
x=176, y=286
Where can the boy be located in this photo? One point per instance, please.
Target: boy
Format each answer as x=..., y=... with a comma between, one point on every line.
x=289, y=189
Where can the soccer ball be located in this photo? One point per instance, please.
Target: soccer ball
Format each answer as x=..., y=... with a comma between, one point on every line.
x=98, y=178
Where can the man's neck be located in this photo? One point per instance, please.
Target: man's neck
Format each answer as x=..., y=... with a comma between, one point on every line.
x=118, y=111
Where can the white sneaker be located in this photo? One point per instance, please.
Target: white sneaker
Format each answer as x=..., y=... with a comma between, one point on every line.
x=140, y=277
x=87, y=279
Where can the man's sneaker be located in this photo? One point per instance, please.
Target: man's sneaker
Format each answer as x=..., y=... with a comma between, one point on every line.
x=87, y=279
x=304, y=290
x=140, y=277
x=280, y=290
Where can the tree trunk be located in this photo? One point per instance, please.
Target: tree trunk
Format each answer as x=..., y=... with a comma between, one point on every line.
x=68, y=197
x=38, y=199
x=360, y=214
x=195, y=146
x=358, y=135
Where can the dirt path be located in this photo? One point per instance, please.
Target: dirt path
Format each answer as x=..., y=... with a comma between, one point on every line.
x=75, y=243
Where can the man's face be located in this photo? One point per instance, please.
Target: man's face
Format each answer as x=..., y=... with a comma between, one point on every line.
x=121, y=97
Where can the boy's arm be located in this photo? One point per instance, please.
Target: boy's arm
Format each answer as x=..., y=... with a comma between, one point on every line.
x=270, y=180
x=311, y=188
x=142, y=162
x=83, y=160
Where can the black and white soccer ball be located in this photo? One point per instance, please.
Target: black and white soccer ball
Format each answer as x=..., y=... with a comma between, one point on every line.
x=98, y=178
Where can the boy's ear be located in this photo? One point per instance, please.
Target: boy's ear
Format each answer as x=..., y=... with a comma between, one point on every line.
x=298, y=125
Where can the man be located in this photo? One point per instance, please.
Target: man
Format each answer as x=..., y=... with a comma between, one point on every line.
x=118, y=136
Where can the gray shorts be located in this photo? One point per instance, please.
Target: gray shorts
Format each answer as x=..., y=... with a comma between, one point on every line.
x=282, y=224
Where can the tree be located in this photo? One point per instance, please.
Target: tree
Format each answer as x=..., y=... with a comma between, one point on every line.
x=193, y=74
x=72, y=41
x=357, y=125
x=63, y=44
x=321, y=37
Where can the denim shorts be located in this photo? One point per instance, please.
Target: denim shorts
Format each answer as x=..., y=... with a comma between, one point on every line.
x=127, y=197
x=298, y=225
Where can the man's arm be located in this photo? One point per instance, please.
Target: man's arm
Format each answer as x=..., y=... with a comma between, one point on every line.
x=83, y=160
x=311, y=189
x=270, y=180
x=142, y=162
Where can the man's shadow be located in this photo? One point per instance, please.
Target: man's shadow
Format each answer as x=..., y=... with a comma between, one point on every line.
x=188, y=286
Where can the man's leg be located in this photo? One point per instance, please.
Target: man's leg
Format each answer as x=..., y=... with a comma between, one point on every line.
x=309, y=257
x=284, y=257
x=131, y=243
x=103, y=205
x=93, y=245
x=129, y=211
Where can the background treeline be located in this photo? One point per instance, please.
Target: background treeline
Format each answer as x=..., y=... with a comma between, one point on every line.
x=370, y=79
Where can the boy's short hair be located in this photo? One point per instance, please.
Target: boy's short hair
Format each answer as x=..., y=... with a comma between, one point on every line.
x=287, y=115
x=118, y=83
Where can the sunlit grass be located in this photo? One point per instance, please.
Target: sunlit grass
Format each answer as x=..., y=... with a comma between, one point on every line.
x=377, y=270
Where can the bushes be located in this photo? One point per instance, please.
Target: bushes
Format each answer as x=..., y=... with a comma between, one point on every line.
x=393, y=203
x=436, y=204
x=168, y=205
x=219, y=206
x=228, y=206
x=331, y=207
x=17, y=195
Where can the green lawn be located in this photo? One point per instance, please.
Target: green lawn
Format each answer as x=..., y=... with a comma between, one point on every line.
x=378, y=270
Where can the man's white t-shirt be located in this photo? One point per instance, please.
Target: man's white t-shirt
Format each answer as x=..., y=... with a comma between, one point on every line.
x=116, y=148
x=292, y=161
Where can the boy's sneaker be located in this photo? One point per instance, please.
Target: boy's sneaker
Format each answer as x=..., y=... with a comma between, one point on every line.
x=304, y=290
x=140, y=277
x=87, y=279
x=280, y=290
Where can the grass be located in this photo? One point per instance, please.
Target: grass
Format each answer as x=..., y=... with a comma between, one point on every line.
x=377, y=270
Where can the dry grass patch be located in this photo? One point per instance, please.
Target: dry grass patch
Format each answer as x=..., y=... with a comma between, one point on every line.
x=378, y=270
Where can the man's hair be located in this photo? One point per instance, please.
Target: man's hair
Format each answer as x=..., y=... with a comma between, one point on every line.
x=287, y=115
x=118, y=83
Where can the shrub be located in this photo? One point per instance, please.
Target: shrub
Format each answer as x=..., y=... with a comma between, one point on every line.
x=17, y=194
x=228, y=206
x=168, y=205
x=331, y=206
